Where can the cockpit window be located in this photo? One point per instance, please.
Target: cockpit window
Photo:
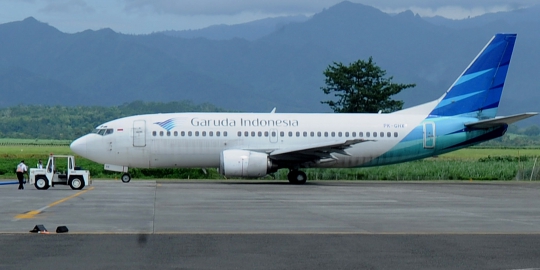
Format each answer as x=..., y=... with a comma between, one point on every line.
x=103, y=131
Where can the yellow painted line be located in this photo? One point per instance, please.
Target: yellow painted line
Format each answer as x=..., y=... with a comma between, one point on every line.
x=33, y=213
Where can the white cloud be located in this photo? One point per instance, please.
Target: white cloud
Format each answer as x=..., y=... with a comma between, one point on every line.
x=452, y=12
x=66, y=6
x=220, y=7
x=146, y=16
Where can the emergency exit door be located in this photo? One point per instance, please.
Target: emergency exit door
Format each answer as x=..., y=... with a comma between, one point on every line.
x=429, y=135
x=139, y=133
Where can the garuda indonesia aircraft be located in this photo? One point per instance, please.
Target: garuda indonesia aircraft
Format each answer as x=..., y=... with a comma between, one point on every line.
x=256, y=144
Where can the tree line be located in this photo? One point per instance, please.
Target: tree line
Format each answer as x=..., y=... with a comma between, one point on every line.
x=68, y=123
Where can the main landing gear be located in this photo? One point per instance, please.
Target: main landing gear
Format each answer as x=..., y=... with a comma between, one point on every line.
x=297, y=177
x=126, y=177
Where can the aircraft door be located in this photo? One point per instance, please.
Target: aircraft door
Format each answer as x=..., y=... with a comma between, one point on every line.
x=429, y=135
x=273, y=135
x=139, y=133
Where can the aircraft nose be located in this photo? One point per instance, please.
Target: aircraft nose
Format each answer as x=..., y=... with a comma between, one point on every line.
x=79, y=146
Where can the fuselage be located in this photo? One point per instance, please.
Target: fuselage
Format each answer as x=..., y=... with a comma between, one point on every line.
x=187, y=140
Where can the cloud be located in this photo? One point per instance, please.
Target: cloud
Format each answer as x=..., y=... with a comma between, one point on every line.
x=220, y=7
x=456, y=9
x=452, y=12
x=67, y=6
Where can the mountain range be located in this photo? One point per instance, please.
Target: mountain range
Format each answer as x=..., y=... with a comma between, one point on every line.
x=281, y=67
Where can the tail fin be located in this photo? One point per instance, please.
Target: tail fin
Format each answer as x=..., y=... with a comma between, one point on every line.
x=477, y=92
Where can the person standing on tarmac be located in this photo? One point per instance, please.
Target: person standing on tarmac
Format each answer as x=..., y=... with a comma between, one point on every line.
x=21, y=169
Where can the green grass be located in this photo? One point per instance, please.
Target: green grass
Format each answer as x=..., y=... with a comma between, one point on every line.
x=476, y=153
x=36, y=142
x=32, y=151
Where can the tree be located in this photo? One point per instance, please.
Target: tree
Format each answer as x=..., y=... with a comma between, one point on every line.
x=361, y=87
x=533, y=130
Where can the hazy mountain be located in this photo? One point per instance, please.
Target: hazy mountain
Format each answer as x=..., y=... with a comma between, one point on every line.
x=284, y=69
x=250, y=30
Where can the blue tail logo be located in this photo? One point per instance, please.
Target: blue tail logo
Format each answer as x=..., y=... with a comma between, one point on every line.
x=477, y=92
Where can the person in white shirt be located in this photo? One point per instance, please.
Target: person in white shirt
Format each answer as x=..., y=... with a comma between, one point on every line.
x=21, y=169
x=40, y=164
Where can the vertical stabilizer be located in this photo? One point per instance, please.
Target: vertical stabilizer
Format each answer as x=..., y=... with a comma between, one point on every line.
x=477, y=92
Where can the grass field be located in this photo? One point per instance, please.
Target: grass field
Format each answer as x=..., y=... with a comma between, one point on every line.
x=477, y=153
x=465, y=164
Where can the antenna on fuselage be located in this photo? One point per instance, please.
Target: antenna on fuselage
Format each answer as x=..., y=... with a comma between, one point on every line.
x=273, y=110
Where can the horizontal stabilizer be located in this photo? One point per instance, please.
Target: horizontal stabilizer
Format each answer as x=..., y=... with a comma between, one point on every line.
x=499, y=121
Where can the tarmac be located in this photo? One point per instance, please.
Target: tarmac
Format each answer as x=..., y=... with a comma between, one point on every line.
x=272, y=225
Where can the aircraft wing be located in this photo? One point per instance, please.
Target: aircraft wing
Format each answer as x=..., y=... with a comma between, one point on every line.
x=314, y=152
x=498, y=121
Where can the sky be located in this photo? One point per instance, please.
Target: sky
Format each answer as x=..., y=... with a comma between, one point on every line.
x=147, y=16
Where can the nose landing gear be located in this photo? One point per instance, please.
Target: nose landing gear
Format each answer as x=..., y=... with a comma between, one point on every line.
x=126, y=177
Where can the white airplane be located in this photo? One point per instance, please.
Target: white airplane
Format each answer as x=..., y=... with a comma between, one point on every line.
x=256, y=144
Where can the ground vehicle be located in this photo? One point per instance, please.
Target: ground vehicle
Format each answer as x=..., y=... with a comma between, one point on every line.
x=54, y=174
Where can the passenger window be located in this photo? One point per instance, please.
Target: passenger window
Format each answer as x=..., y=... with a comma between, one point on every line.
x=183, y=133
x=395, y=134
x=382, y=134
x=367, y=134
x=312, y=134
x=305, y=134
x=189, y=133
x=388, y=134
x=319, y=134
x=224, y=133
x=246, y=133
x=239, y=133
x=346, y=134
x=290, y=133
x=374, y=134
x=175, y=133
x=354, y=134
x=161, y=133
x=339, y=134
x=333, y=134
x=259, y=134
x=298, y=134
x=204, y=133
x=274, y=134
x=218, y=133
x=211, y=133
x=154, y=133
x=197, y=133
x=361, y=134
x=325, y=134
x=253, y=134
x=266, y=134
x=168, y=133
x=281, y=134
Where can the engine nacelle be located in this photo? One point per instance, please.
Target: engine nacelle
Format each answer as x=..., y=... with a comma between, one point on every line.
x=243, y=163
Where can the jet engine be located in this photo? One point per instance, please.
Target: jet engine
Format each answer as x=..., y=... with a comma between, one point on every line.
x=244, y=163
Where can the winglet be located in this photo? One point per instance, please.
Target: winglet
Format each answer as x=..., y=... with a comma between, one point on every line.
x=273, y=110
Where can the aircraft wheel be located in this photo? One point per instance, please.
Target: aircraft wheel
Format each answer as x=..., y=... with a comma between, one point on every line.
x=126, y=177
x=297, y=177
x=76, y=183
x=41, y=182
